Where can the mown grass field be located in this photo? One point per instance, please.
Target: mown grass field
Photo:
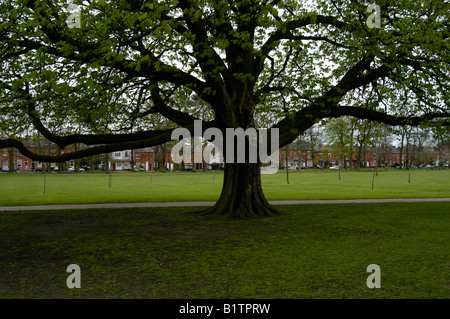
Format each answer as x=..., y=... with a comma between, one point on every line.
x=28, y=189
x=310, y=251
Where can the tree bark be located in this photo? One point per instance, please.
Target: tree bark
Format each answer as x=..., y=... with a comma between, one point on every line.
x=287, y=163
x=401, y=148
x=300, y=153
x=132, y=160
x=351, y=145
x=365, y=155
x=11, y=168
x=161, y=158
x=242, y=195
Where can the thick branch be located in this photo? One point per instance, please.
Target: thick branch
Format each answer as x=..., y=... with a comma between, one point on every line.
x=290, y=127
x=152, y=68
x=173, y=115
x=164, y=136
x=284, y=32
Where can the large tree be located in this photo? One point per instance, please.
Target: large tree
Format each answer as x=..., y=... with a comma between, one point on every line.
x=295, y=62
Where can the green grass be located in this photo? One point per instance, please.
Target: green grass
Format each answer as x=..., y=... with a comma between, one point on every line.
x=310, y=251
x=28, y=189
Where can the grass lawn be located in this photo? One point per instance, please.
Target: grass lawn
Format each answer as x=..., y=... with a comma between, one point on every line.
x=310, y=251
x=28, y=189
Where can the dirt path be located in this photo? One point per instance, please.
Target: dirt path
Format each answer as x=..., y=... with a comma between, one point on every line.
x=184, y=204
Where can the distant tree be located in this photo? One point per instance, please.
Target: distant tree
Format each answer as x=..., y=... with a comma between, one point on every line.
x=420, y=140
x=314, y=139
x=441, y=136
x=339, y=136
x=367, y=135
x=300, y=146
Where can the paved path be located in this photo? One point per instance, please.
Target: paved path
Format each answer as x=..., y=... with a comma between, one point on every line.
x=183, y=204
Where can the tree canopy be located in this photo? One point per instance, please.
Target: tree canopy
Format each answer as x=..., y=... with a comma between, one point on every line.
x=102, y=78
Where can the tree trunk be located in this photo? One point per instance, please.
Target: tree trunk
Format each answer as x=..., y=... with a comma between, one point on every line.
x=300, y=154
x=132, y=160
x=11, y=168
x=287, y=163
x=401, y=148
x=351, y=147
x=77, y=161
x=408, y=163
x=242, y=195
x=359, y=156
x=311, y=142
x=161, y=158
x=365, y=155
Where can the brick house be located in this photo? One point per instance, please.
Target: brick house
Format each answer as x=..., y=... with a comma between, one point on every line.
x=143, y=158
x=21, y=163
x=386, y=158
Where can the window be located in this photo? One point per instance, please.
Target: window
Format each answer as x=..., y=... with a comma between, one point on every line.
x=19, y=163
x=118, y=154
x=138, y=155
x=18, y=153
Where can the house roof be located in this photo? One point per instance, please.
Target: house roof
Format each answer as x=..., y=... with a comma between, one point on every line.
x=144, y=150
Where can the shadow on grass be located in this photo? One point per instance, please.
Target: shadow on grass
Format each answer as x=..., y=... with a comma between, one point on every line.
x=309, y=251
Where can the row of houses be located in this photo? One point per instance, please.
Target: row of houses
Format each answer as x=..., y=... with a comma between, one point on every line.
x=147, y=159
x=142, y=159
x=138, y=159
x=370, y=158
